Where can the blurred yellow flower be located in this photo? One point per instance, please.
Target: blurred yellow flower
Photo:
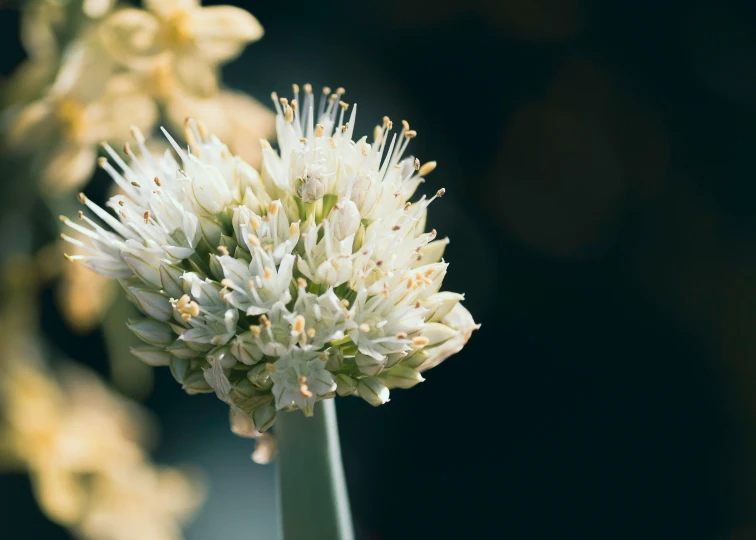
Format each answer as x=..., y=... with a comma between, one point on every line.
x=83, y=448
x=239, y=120
x=95, y=69
x=141, y=502
x=86, y=104
x=188, y=39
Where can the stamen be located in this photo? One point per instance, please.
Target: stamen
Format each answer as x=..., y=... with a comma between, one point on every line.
x=427, y=168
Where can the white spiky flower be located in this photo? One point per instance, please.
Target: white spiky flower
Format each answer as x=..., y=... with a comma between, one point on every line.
x=278, y=289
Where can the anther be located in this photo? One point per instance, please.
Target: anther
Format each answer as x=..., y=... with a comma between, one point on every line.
x=102, y=161
x=420, y=341
x=255, y=330
x=417, y=164
x=158, y=183
x=319, y=130
x=364, y=328
x=299, y=324
x=146, y=217
x=223, y=250
x=301, y=283
x=427, y=168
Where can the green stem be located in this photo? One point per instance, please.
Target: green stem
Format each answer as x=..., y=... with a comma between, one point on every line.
x=312, y=496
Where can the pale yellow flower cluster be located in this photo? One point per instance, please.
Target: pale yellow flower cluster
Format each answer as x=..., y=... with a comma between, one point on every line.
x=95, y=69
x=83, y=449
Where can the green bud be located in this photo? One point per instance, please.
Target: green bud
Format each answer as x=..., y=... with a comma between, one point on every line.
x=401, y=376
x=170, y=280
x=153, y=332
x=195, y=383
x=260, y=376
x=143, y=269
x=345, y=385
x=245, y=349
x=264, y=417
x=335, y=359
x=373, y=391
x=152, y=303
x=179, y=368
x=152, y=356
x=368, y=365
x=179, y=349
x=416, y=359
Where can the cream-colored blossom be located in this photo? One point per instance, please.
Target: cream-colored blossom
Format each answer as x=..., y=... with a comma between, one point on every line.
x=83, y=449
x=192, y=39
x=234, y=117
x=148, y=503
x=278, y=289
x=86, y=104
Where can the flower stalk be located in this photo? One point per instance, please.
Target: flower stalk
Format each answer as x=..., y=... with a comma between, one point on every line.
x=312, y=493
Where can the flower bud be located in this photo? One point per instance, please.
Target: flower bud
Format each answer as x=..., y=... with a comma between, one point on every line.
x=416, y=359
x=195, y=383
x=144, y=267
x=345, y=219
x=260, y=376
x=373, y=391
x=440, y=304
x=264, y=417
x=437, y=333
x=369, y=365
x=345, y=385
x=179, y=349
x=401, y=377
x=335, y=359
x=153, y=332
x=152, y=356
x=170, y=279
x=310, y=186
x=245, y=349
x=152, y=303
x=179, y=368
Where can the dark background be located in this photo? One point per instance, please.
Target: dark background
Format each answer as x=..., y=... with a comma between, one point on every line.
x=599, y=165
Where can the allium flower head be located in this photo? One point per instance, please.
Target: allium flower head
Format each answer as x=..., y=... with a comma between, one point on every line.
x=278, y=289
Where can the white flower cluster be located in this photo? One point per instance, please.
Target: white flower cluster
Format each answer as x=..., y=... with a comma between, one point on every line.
x=278, y=289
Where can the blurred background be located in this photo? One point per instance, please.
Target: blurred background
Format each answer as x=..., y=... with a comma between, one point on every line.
x=598, y=159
